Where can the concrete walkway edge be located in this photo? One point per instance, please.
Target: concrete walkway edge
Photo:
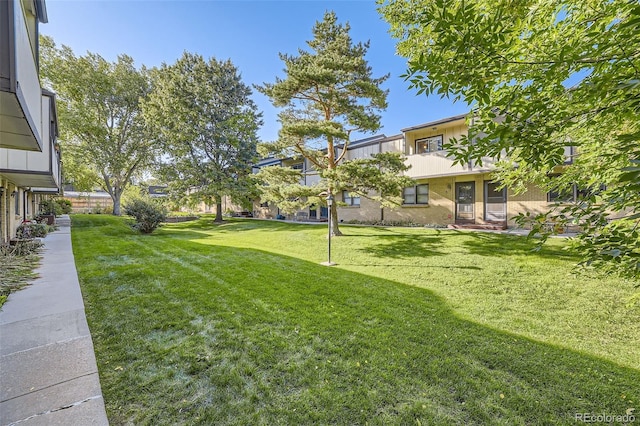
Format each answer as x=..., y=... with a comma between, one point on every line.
x=48, y=371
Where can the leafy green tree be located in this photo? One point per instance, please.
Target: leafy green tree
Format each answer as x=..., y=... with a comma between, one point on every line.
x=77, y=172
x=328, y=95
x=208, y=126
x=102, y=130
x=541, y=76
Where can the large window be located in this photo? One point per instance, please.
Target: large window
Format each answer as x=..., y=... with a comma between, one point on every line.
x=16, y=198
x=418, y=194
x=350, y=200
x=562, y=195
x=571, y=194
x=430, y=144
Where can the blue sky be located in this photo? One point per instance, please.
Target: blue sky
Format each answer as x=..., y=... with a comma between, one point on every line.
x=251, y=33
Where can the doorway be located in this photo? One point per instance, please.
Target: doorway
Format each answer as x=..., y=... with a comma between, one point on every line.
x=465, y=202
x=495, y=202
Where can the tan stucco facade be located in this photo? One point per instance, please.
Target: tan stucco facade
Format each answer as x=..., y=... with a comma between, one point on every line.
x=441, y=208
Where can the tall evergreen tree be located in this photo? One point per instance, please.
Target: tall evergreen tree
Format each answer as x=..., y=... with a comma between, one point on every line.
x=208, y=125
x=328, y=95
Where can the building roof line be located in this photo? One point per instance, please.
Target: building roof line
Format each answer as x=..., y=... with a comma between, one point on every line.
x=437, y=122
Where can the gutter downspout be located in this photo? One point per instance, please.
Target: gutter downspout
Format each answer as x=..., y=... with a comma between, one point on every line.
x=24, y=205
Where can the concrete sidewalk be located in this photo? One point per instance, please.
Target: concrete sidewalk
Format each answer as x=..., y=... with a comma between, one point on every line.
x=48, y=372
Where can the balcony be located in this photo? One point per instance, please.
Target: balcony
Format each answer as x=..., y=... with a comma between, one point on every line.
x=38, y=170
x=20, y=91
x=438, y=164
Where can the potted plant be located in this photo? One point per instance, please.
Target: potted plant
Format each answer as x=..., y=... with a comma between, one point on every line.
x=48, y=211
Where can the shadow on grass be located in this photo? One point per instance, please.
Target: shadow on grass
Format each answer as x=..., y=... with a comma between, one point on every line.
x=435, y=243
x=508, y=245
x=405, y=246
x=238, y=225
x=212, y=334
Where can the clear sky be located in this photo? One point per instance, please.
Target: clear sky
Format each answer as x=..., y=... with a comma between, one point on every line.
x=249, y=32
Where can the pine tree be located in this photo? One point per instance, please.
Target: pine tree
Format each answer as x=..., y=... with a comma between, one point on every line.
x=328, y=95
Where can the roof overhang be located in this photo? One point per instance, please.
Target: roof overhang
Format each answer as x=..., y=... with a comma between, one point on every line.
x=31, y=179
x=41, y=11
x=436, y=123
x=15, y=130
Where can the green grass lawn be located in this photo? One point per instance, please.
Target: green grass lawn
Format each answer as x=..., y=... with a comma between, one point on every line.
x=238, y=324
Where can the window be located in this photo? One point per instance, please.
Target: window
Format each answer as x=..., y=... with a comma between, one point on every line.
x=571, y=194
x=562, y=195
x=418, y=194
x=350, y=200
x=16, y=198
x=430, y=144
x=298, y=166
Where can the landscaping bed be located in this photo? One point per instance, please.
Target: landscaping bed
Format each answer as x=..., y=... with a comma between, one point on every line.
x=17, y=263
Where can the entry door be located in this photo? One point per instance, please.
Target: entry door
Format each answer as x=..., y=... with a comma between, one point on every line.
x=495, y=202
x=465, y=200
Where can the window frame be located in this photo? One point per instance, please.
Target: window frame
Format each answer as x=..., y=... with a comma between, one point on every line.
x=416, y=195
x=573, y=194
x=17, y=202
x=354, y=201
x=438, y=139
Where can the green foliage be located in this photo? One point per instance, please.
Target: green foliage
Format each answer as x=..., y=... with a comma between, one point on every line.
x=148, y=215
x=103, y=135
x=64, y=205
x=55, y=206
x=542, y=75
x=76, y=171
x=380, y=177
x=432, y=326
x=281, y=185
x=50, y=206
x=32, y=230
x=328, y=94
x=208, y=126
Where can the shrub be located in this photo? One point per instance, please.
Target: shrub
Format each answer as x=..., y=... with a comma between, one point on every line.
x=32, y=230
x=17, y=262
x=50, y=207
x=64, y=205
x=39, y=230
x=55, y=206
x=148, y=215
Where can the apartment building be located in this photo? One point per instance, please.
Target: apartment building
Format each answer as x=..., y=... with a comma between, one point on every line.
x=29, y=153
x=443, y=194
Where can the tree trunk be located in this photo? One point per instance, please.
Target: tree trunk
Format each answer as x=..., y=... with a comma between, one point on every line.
x=219, y=211
x=335, y=230
x=116, y=204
